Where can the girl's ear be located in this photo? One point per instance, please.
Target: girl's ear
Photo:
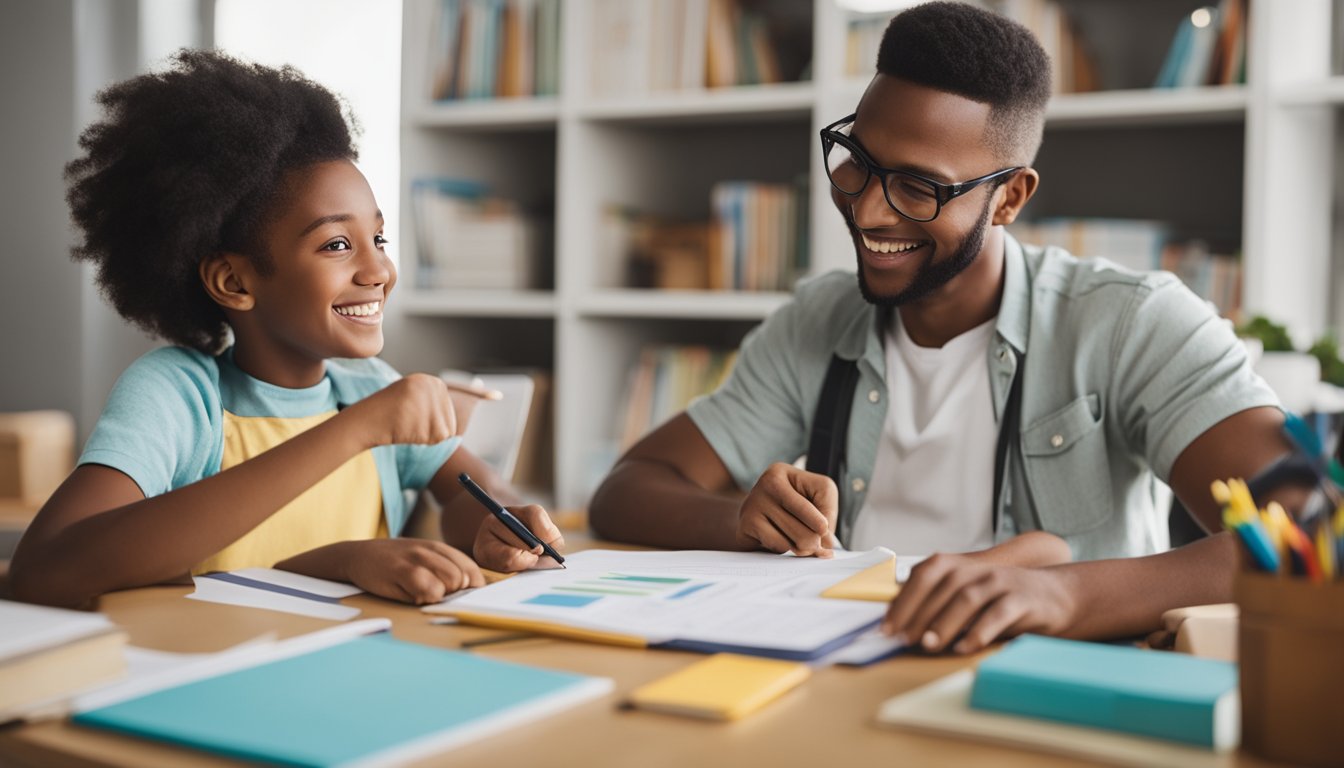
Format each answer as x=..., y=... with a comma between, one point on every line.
x=224, y=277
x=1017, y=191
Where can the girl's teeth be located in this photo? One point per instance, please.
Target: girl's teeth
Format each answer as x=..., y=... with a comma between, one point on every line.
x=360, y=310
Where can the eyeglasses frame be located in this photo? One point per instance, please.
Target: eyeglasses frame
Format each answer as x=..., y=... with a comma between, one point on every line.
x=943, y=193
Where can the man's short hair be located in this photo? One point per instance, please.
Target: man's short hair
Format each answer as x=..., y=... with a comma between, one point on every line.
x=978, y=54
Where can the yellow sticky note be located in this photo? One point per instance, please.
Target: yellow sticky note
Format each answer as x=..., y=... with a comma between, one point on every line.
x=876, y=583
x=725, y=686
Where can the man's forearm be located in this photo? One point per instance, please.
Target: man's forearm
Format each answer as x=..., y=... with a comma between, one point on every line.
x=1125, y=597
x=650, y=503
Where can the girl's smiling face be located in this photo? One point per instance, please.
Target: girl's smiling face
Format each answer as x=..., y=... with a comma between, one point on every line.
x=325, y=283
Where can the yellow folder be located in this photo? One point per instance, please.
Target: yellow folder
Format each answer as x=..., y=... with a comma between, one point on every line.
x=725, y=686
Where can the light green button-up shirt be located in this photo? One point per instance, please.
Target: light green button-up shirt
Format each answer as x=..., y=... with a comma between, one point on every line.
x=1123, y=371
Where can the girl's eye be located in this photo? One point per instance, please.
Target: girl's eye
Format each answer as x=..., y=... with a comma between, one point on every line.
x=380, y=241
x=336, y=245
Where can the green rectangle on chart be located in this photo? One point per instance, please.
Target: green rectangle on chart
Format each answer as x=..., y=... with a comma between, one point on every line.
x=649, y=579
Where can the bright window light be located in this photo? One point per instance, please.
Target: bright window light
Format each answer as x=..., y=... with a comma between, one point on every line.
x=353, y=47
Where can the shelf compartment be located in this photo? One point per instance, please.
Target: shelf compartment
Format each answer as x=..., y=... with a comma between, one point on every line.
x=490, y=114
x=749, y=102
x=690, y=305
x=478, y=303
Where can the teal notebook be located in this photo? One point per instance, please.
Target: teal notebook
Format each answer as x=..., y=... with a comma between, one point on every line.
x=1161, y=694
x=369, y=701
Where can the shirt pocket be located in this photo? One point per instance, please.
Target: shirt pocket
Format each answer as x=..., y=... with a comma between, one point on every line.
x=1068, y=468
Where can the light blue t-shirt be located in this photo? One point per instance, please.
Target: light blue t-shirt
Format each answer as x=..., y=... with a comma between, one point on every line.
x=163, y=425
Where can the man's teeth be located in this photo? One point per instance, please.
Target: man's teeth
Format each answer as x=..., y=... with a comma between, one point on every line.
x=887, y=246
x=360, y=310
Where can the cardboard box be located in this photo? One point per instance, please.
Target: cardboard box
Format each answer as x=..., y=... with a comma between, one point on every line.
x=1291, y=651
x=37, y=453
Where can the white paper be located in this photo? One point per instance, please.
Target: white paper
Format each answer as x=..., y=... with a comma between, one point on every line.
x=323, y=587
x=867, y=648
x=748, y=599
x=215, y=591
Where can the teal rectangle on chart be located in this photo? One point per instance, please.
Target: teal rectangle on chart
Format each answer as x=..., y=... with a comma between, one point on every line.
x=563, y=601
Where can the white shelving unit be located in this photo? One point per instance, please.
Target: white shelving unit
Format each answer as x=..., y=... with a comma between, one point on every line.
x=1251, y=167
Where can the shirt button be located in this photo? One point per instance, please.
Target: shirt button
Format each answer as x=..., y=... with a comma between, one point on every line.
x=1056, y=441
x=857, y=485
x=874, y=395
x=1003, y=353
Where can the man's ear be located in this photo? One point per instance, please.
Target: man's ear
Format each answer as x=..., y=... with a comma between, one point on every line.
x=1016, y=192
x=225, y=277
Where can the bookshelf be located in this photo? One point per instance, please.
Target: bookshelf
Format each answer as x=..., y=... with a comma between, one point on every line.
x=1250, y=168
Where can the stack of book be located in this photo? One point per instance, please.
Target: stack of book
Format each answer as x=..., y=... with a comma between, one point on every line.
x=468, y=239
x=760, y=237
x=49, y=654
x=485, y=49
x=645, y=46
x=666, y=379
x=1209, y=48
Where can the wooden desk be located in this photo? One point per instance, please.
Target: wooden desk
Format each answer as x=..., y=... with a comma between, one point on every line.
x=826, y=721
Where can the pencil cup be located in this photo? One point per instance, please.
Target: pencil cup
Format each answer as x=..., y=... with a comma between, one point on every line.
x=1291, y=653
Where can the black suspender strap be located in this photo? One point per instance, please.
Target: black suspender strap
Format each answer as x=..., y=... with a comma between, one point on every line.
x=830, y=424
x=1008, y=433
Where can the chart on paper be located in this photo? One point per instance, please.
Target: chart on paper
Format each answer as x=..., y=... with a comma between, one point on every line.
x=585, y=592
x=739, y=599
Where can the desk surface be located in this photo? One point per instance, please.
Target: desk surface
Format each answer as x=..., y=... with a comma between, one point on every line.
x=829, y=717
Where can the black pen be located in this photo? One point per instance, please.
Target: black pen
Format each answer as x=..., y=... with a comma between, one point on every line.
x=505, y=516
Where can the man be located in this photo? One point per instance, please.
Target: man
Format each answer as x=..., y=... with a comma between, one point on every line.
x=1005, y=394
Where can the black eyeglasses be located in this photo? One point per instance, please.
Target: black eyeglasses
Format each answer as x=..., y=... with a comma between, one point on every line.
x=914, y=197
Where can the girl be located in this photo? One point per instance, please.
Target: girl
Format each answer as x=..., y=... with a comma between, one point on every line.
x=222, y=208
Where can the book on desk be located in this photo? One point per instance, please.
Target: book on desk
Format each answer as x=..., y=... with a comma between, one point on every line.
x=48, y=654
x=367, y=700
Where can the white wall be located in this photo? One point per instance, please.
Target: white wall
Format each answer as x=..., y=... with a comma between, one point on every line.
x=39, y=316
x=63, y=346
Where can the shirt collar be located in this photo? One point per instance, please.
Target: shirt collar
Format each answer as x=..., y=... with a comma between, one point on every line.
x=1015, y=306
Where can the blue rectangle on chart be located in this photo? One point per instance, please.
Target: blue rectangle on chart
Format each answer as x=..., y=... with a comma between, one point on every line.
x=563, y=601
x=689, y=590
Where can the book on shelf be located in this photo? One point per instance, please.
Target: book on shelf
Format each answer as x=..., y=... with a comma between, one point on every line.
x=665, y=380
x=1208, y=48
x=49, y=654
x=486, y=49
x=759, y=242
x=467, y=238
x=756, y=241
x=652, y=46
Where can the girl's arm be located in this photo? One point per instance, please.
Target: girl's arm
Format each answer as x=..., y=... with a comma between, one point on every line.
x=98, y=532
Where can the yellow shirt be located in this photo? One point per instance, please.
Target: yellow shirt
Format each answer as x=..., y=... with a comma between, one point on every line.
x=346, y=505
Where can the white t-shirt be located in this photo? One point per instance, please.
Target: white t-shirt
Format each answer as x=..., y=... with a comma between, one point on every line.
x=932, y=480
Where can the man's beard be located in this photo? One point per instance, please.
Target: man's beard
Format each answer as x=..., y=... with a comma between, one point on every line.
x=931, y=275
